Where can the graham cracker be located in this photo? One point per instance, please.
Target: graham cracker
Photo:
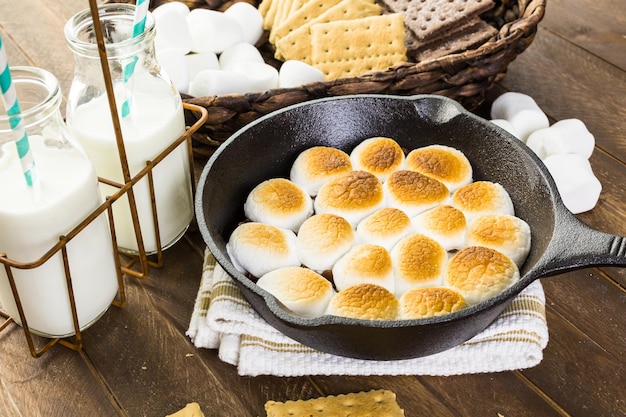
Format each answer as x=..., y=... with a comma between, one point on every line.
x=190, y=410
x=378, y=403
x=309, y=11
x=350, y=48
x=425, y=18
x=459, y=42
x=413, y=44
x=264, y=6
x=284, y=10
x=271, y=12
x=297, y=44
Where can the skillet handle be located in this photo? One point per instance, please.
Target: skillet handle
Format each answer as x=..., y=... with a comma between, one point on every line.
x=576, y=245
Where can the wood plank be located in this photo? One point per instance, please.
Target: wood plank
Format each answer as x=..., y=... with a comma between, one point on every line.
x=592, y=304
x=578, y=374
x=596, y=26
x=42, y=38
x=58, y=383
x=150, y=368
x=567, y=82
x=15, y=55
x=411, y=394
x=461, y=395
x=147, y=343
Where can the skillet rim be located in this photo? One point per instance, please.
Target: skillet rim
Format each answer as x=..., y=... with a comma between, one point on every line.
x=291, y=320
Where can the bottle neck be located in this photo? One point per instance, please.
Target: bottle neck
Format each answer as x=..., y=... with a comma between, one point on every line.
x=39, y=97
x=117, y=22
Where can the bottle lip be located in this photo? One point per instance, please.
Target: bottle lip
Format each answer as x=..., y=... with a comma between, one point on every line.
x=81, y=38
x=46, y=97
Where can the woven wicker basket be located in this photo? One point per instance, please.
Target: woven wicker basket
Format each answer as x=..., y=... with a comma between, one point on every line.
x=465, y=76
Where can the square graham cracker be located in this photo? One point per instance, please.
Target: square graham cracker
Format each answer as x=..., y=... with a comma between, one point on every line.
x=376, y=403
x=297, y=44
x=425, y=18
x=351, y=48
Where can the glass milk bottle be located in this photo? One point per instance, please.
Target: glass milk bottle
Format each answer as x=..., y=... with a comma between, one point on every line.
x=154, y=121
x=32, y=218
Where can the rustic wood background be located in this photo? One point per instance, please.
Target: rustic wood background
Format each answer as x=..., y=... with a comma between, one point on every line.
x=137, y=360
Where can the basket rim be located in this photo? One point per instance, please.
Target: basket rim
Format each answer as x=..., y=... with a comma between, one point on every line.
x=509, y=33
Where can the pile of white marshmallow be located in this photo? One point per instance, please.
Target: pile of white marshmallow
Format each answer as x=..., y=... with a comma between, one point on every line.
x=565, y=147
x=207, y=52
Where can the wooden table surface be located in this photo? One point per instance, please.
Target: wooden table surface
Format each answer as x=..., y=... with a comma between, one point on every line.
x=137, y=360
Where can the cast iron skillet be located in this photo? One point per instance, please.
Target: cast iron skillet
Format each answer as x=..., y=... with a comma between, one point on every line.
x=267, y=147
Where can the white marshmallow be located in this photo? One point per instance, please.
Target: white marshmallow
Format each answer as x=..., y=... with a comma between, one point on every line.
x=200, y=62
x=261, y=76
x=212, y=31
x=250, y=20
x=578, y=186
x=521, y=111
x=175, y=66
x=172, y=6
x=565, y=136
x=218, y=82
x=172, y=31
x=239, y=52
x=506, y=125
x=296, y=73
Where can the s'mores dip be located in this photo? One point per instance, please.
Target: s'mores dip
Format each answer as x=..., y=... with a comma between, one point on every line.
x=388, y=236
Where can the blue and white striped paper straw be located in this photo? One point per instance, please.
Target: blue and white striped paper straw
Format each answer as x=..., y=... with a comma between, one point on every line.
x=139, y=24
x=9, y=97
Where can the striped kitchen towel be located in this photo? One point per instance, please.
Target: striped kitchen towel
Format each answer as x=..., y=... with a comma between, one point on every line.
x=222, y=319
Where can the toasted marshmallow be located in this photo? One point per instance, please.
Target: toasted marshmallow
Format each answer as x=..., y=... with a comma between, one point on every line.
x=384, y=227
x=364, y=264
x=259, y=248
x=322, y=240
x=354, y=196
x=480, y=273
x=366, y=302
x=413, y=192
x=316, y=166
x=278, y=202
x=482, y=197
x=444, y=163
x=445, y=224
x=301, y=290
x=379, y=155
x=418, y=261
x=420, y=303
x=502, y=232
